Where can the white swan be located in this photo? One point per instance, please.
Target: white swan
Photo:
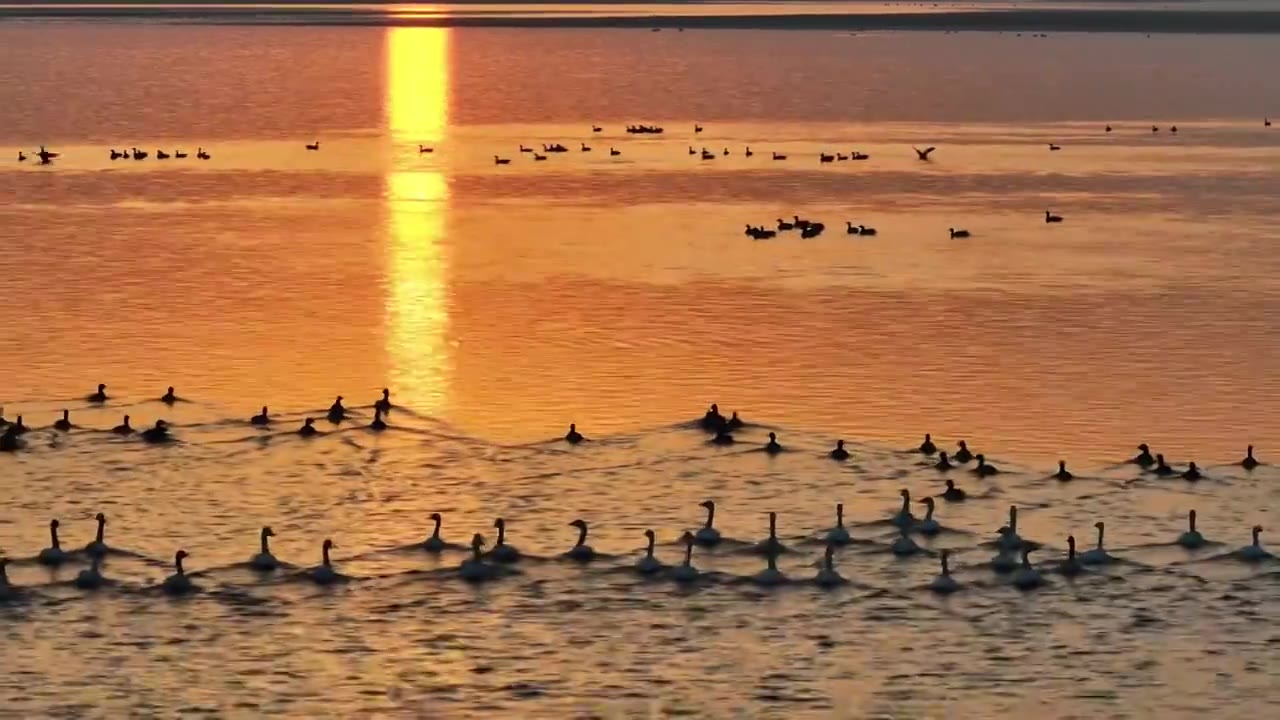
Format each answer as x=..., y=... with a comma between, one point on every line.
x=944, y=584
x=904, y=518
x=324, y=574
x=708, y=535
x=1254, y=552
x=1010, y=540
x=1003, y=562
x=904, y=545
x=474, y=568
x=648, y=565
x=827, y=575
x=1191, y=539
x=838, y=535
x=98, y=547
x=502, y=552
x=771, y=545
x=264, y=560
x=928, y=526
x=771, y=576
x=53, y=555
x=435, y=543
x=91, y=579
x=686, y=572
x=1096, y=556
x=581, y=551
x=1071, y=566
x=178, y=583
x=1026, y=576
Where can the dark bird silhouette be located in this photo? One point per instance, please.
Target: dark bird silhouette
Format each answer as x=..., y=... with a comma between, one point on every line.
x=313, y=146
x=923, y=154
x=1051, y=218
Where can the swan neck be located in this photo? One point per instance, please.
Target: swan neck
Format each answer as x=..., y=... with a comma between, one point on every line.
x=649, y=550
x=53, y=537
x=711, y=515
x=102, y=530
x=688, y=554
x=177, y=564
x=502, y=533
x=582, y=535
x=265, y=549
x=436, y=532
x=928, y=513
x=906, y=504
x=840, y=516
x=325, y=555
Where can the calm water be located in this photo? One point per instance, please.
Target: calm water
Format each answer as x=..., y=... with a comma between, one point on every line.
x=500, y=303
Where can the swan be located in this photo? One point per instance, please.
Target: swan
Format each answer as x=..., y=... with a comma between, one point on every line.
x=903, y=518
x=1191, y=539
x=1143, y=458
x=261, y=419
x=708, y=535
x=1027, y=577
x=474, y=568
x=771, y=576
x=7, y=591
x=943, y=463
x=580, y=551
x=983, y=469
x=772, y=447
x=928, y=526
x=1063, y=473
x=124, y=428
x=53, y=555
x=91, y=579
x=1053, y=147
x=1010, y=539
x=264, y=560
x=1249, y=463
x=98, y=547
x=1161, y=468
x=324, y=574
x=927, y=447
x=1051, y=218
x=958, y=233
x=838, y=535
x=65, y=423
x=337, y=412
x=962, y=455
x=100, y=396
x=384, y=404
x=378, y=424
x=1254, y=552
x=648, y=565
x=839, y=453
x=771, y=545
x=827, y=576
x=1096, y=556
x=308, y=428
x=435, y=543
x=953, y=493
x=686, y=572
x=169, y=398
x=178, y=583
x=502, y=552
x=904, y=545
x=573, y=437
x=1003, y=562
x=712, y=420
x=944, y=584
x=1192, y=473
x=864, y=230
x=1071, y=566
x=722, y=437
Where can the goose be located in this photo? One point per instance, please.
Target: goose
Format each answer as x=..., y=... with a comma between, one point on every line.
x=21, y=157
x=53, y=555
x=313, y=146
x=91, y=578
x=708, y=155
x=614, y=153
x=1254, y=552
x=378, y=424
x=1003, y=562
x=1071, y=566
x=923, y=154
x=1191, y=539
x=864, y=230
x=1063, y=473
x=324, y=574
x=748, y=152
x=178, y=583
x=983, y=469
x=1266, y=122
x=712, y=419
x=524, y=149
x=264, y=560
x=784, y=225
x=384, y=404
x=953, y=493
x=596, y=128
x=179, y=154
x=260, y=419
x=1192, y=473
x=686, y=572
x=474, y=568
x=770, y=576
x=18, y=428
x=337, y=413
x=838, y=535
x=771, y=545
x=799, y=223
x=648, y=565
x=162, y=155
x=944, y=584
x=825, y=158
x=927, y=447
x=435, y=543
x=850, y=228
x=1143, y=458
x=722, y=437
x=98, y=547
x=1096, y=556
x=1108, y=128
x=585, y=147
x=200, y=153
x=501, y=160
x=65, y=423
x=536, y=156
x=1010, y=538
x=124, y=428
x=697, y=128
x=169, y=398
x=502, y=552
x=573, y=437
x=692, y=151
x=943, y=463
x=903, y=518
x=115, y=155
x=726, y=152
x=158, y=433
x=734, y=422
x=962, y=455
x=7, y=591
x=772, y=447
x=581, y=551
x=139, y=154
x=958, y=233
x=1053, y=147
x=1161, y=468
x=841, y=157
x=1051, y=218
x=100, y=396
x=1027, y=577
x=308, y=428
x=1155, y=129
x=827, y=576
x=425, y=149
x=904, y=545
x=928, y=526
x=779, y=156
x=1173, y=129
x=707, y=534
x=839, y=453
x=1249, y=463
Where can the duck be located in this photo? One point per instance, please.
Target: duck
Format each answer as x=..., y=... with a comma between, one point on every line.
x=770, y=576
x=649, y=565
x=98, y=547
x=903, y=518
x=502, y=552
x=953, y=493
x=928, y=526
x=124, y=428
x=722, y=437
x=958, y=233
x=927, y=447
x=91, y=578
x=944, y=584
x=1051, y=218
x=264, y=560
x=962, y=455
x=839, y=453
x=178, y=583
x=384, y=404
x=1191, y=539
x=983, y=469
x=771, y=545
x=1097, y=556
x=686, y=572
x=827, y=576
x=1192, y=473
x=65, y=423
x=1143, y=458
x=707, y=534
x=1004, y=561
x=324, y=574
x=308, y=428
x=435, y=543
x=772, y=447
x=1254, y=551
x=1161, y=468
x=573, y=437
x=864, y=230
x=581, y=551
x=1027, y=577
x=1071, y=566
x=1010, y=538
x=169, y=398
x=158, y=433
x=838, y=535
x=337, y=413
x=261, y=418
x=1063, y=473
x=475, y=569
x=904, y=545
x=100, y=396
x=378, y=424
x=943, y=463
x=53, y=555
x=1249, y=463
